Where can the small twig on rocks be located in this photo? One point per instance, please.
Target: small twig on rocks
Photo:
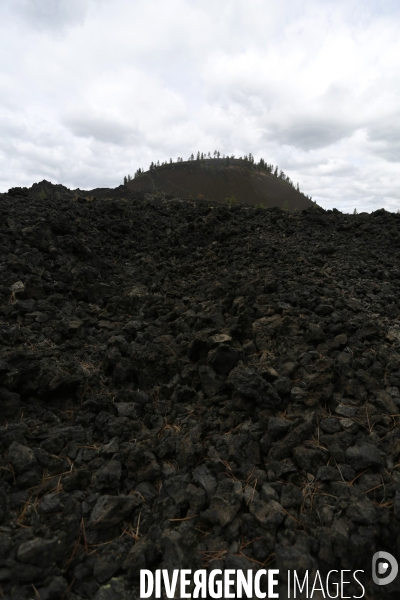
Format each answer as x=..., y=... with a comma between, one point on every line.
x=228, y=466
x=74, y=550
x=95, y=546
x=184, y=518
x=132, y=533
x=252, y=495
x=69, y=588
x=234, y=429
x=256, y=562
x=341, y=474
x=203, y=529
x=138, y=524
x=12, y=299
x=248, y=480
x=357, y=476
x=294, y=518
x=177, y=355
x=369, y=424
x=210, y=555
x=23, y=512
x=85, y=544
x=59, y=486
x=318, y=444
x=374, y=488
x=389, y=475
x=389, y=504
x=244, y=545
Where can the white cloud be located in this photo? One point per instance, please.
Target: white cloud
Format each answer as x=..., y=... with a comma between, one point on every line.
x=91, y=90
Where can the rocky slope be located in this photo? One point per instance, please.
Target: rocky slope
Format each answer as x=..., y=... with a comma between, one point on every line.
x=213, y=179
x=188, y=386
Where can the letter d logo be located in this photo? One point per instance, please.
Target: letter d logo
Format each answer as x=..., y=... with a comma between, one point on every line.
x=387, y=565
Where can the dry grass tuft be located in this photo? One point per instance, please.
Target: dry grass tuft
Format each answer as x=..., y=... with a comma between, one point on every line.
x=210, y=555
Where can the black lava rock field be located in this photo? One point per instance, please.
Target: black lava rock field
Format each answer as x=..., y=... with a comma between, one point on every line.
x=193, y=386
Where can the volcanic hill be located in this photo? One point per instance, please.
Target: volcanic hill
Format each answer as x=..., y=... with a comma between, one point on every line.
x=218, y=179
x=186, y=385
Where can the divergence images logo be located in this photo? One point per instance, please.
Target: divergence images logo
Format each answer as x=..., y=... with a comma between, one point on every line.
x=384, y=563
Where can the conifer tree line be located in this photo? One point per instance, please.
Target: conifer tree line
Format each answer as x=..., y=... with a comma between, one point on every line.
x=248, y=160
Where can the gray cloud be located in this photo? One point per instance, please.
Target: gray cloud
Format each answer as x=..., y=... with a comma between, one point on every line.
x=48, y=16
x=100, y=127
x=384, y=138
x=311, y=136
x=47, y=7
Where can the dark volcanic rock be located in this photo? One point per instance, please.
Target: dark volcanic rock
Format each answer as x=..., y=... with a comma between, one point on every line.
x=22, y=458
x=185, y=385
x=364, y=457
x=111, y=510
x=247, y=384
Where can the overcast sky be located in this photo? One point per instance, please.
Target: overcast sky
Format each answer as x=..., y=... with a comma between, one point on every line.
x=90, y=90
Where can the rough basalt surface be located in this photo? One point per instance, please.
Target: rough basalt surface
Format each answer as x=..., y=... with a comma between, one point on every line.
x=188, y=386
